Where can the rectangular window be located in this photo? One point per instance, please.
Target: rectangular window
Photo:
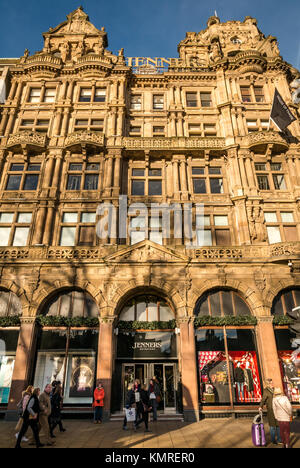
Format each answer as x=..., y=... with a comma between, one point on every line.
x=279, y=182
x=216, y=185
x=136, y=131
x=274, y=234
x=158, y=131
x=14, y=228
x=136, y=102
x=34, y=95
x=191, y=100
x=287, y=217
x=49, y=95
x=158, y=101
x=100, y=95
x=85, y=95
x=138, y=187
x=263, y=183
x=83, y=176
x=26, y=179
x=259, y=94
x=246, y=93
x=205, y=99
x=223, y=237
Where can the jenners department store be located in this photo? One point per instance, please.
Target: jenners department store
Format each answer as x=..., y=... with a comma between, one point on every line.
x=80, y=127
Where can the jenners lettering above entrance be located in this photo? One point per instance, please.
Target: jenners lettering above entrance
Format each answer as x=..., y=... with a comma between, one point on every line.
x=158, y=62
x=147, y=345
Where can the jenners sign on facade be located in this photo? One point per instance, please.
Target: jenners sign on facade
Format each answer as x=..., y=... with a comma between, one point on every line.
x=156, y=62
x=146, y=345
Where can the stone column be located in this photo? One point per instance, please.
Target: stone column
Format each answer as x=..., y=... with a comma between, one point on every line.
x=12, y=90
x=48, y=226
x=188, y=369
x=117, y=170
x=175, y=177
x=268, y=350
x=105, y=360
x=57, y=173
x=65, y=122
x=108, y=174
x=4, y=121
x=57, y=122
x=39, y=225
x=249, y=172
x=23, y=368
x=183, y=179
x=10, y=122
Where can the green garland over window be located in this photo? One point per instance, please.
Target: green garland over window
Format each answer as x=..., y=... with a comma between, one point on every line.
x=10, y=321
x=282, y=320
x=135, y=325
x=58, y=321
x=242, y=320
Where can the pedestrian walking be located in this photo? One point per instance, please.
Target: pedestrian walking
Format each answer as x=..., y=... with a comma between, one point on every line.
x=145, y=408
x=129, y=403
x=267, y=400
x=45, y=411
x=31, y=418
x=26, y=394
x=154, y=395
x=98, y=403
x=137, y=399
x=283, y=413
x=56, y=406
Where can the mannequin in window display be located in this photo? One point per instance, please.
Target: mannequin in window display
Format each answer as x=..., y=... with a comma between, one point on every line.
x=249, y=381
x=239, y=380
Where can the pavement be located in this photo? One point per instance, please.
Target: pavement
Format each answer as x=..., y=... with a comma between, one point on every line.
x=208, y=433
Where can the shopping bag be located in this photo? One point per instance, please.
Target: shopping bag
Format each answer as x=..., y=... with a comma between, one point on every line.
x=130, y=414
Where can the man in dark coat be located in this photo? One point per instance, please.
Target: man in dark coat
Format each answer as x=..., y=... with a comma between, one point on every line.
x=267, y=400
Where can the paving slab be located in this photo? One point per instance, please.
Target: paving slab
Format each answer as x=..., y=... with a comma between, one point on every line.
x=208, y=433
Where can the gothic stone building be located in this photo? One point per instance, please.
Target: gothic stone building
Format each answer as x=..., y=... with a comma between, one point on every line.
x=205, y=312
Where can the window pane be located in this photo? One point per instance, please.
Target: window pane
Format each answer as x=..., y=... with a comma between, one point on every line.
x=241, y=307
x=70, y=217
x=88, y=217
x=263, y=183
x=21, y=236
x=75, y=167
x=279, y=182
x=197, y=170
x=24, y=217
x=100, y=95
x=273, y=234
x=152, y=312
x=17, y=167
x=138, y=187
x=246, y=94
x=34, y=168
x=227, y=303
x=31, y=182
x=259, y=94
x=138, y=222
x=191, y=99
x=205, y=99
x=13, y=182
x=34, y=95
x=91, y=182
x=158, y=102
x=216, y=185
x=199, y=185
x=141, y=315
x=4, y=235
x=260, y=167
x=215, y=304
x=49, y=95
x=85, y=95
x=165, y=313
x=270, y=217
x=154, y=173
x=27, y=123
x=204, y=237
x=223, y=237
x=290, y=233
x=202, y=220
x=74, y=182
x=138, y=172
x=136, y=102
x=6, y=218
x=214, y=170
x=155, y=187
x=92, y=167
x=287, y=217
x=275, y=166
x=81, y=122
x=127, y=313
x=67, y=236
x=221, y=220
x=86, y=235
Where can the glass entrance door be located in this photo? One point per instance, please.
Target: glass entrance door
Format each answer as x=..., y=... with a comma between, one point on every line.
x=166, y=377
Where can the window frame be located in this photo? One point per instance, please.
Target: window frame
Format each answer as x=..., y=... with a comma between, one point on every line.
x=14, y=225
x=269, y=174
x=23, y=174
x=78, y=224
x=82, y=173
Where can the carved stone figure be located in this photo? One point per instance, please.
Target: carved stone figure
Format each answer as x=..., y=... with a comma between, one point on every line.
x=215, y=53
x=64, y=49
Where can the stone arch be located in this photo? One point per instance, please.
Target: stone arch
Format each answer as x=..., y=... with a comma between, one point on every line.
x=46, y=293
x=134, y=287
x=280, y=286
x=248, y=294
x=11, y=286
x=10, y=302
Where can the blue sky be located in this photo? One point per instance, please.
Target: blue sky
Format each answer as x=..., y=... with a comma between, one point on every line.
x=147, y=27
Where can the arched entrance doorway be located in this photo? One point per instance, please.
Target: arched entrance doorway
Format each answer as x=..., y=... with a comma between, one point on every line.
x=146, y=346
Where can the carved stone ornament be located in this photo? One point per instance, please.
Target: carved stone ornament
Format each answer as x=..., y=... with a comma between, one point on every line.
x=27, y=138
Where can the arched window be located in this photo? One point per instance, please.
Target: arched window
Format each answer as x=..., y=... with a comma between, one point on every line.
x=72, y=304
x=221, y=303
x=286, y=301
x=146, y=308
x=9, y=304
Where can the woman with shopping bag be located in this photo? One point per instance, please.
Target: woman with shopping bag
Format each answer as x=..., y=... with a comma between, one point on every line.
x=130, y=413
x=284, y=415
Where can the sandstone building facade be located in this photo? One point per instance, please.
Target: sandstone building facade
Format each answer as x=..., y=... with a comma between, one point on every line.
x=81, y=127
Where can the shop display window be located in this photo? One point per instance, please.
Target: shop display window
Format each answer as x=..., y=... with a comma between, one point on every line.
x=289, y=361
x=70, y=357
x=8, y=346
x=228, y=367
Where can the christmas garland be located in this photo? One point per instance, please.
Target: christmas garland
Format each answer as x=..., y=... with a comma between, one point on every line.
x=242, y=320
x=10, y=321
x=58, y=321
x=282, y=320
x=135, y=325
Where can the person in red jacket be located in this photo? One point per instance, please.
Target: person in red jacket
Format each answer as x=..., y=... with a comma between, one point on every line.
x=98, y=403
